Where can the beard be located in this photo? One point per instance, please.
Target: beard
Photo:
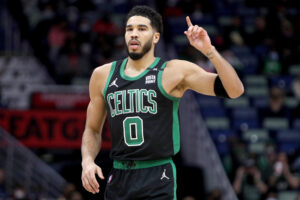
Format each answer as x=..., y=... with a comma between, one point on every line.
x=137, y=56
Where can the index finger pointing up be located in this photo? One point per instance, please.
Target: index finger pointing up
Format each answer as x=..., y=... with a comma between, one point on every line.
x=188, y=21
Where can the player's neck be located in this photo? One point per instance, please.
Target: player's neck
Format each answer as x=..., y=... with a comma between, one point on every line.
x=142, y=63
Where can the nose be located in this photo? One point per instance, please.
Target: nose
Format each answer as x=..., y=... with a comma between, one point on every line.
x=134, y=34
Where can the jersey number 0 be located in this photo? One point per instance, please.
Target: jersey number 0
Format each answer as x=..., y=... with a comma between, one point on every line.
x=133, y=131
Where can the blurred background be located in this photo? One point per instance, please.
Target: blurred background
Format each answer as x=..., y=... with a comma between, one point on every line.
x=248, y=147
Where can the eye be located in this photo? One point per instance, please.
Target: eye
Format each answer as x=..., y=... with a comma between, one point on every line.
x=128, y=29
x=142, y=29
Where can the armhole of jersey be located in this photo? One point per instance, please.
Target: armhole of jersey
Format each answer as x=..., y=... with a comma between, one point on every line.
x=111, y=72
x=176, y=101
x=160, y=86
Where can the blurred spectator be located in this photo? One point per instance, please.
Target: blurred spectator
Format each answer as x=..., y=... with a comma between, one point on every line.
x=271, y=195
x=71, y=63
x=235, y=33
x=216, y=194
x=68, y=191
x=105, y=26
x=271, y=157
x=3, y=193
x=287, y=44
x=57, y=37
x=282, y=178
x=276, y=106
x=260, y=33
x=238, y=152
x=248, y=183
x=19, y=193
x=272, y=65
x=189, y=198
x=172, y=9
x=102, y=50
x=75, y=196
x=295, y=164
x=296, y=87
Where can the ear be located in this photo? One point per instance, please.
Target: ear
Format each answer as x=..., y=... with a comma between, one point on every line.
x=156, y=37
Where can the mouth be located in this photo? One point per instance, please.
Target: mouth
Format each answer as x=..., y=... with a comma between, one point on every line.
x=134, y=44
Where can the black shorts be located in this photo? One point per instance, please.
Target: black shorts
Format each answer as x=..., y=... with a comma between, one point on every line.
x=144, y=180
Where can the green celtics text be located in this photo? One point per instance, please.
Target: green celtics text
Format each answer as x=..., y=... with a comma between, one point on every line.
x=118, y=105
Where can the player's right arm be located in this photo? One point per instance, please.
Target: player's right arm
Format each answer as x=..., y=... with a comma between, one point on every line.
x=91, y=139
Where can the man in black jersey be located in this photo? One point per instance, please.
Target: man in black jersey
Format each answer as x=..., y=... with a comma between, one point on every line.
x=140, y=96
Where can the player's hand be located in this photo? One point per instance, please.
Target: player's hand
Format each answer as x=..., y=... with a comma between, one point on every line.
x=198, y=37
x=88, y=177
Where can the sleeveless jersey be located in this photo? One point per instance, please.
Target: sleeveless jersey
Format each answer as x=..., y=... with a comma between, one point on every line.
x=142, y=117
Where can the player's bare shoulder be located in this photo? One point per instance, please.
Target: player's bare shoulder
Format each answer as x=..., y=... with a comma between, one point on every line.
x=100, y=75
x=177, y=68
x=102, y=71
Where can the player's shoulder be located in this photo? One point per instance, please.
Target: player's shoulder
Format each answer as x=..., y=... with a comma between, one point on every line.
x=102, y=70
x=179, y=65
x=100, y=74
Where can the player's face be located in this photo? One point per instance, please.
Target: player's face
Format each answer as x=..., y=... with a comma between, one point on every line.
x=139, y=37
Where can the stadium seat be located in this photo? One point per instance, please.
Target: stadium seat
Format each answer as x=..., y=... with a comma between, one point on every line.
x=288, y=147
x=260, y=102
x=291, y=102
x=296, y=124
x=287, y=195
x=221, y=135
x=257, y=148
x=275, y=123
x=288, y=136
x=244, y=113
x=245, y=124
x=223, y=148
x=294, y=70
x=255, y=135
x=282, y=81
x=250, y=62
x=207, y=101
x=217, y=123
x=256, y=80
x=237, y=103
x=213, y=112
x=257, y=91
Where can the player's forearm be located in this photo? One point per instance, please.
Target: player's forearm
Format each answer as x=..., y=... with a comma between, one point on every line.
x=90, y=147
x=293, y=181
x=237, y=185
x=261, y=185
x=230, y=80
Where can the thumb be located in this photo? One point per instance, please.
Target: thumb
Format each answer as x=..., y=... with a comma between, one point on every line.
x=99, y=173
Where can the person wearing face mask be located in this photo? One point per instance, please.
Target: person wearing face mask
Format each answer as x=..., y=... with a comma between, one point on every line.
x=248, y=183
x=282, y=178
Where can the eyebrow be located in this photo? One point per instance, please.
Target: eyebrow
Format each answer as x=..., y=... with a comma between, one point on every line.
x=139, y=25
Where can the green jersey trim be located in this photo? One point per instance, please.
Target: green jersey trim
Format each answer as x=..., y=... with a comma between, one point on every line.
x=176, y=128
x=138, y=164
x=175, y=180
x=176, y=101
x=162, y=90
x=133, y=78
x=112, y=69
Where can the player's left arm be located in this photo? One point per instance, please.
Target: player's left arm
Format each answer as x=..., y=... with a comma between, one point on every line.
x=225, y=82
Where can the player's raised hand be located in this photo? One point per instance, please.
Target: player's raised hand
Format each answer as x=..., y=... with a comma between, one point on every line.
x=88, y=177
x=198, y=37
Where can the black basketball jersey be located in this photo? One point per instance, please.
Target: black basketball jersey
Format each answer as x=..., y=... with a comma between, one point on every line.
x=142, y=117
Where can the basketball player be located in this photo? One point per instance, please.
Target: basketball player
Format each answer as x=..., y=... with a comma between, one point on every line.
x=140, y=96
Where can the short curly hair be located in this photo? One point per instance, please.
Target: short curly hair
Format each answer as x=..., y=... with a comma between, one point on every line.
x=146, y=11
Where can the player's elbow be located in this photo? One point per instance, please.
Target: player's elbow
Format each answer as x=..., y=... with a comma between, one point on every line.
x=239, y=91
